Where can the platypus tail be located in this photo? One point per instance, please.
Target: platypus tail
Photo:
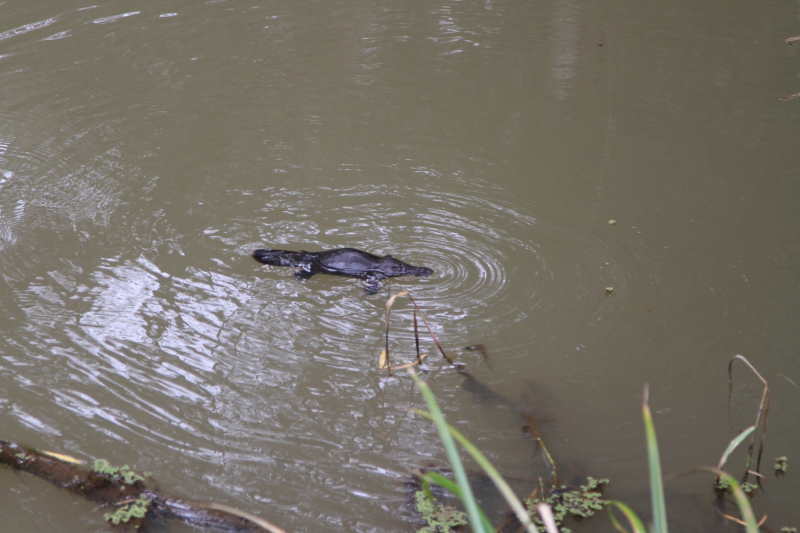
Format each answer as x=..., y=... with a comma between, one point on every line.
x=278, y=257
x=263, y=256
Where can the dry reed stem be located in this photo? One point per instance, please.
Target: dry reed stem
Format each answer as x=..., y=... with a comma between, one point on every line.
x=763, y=407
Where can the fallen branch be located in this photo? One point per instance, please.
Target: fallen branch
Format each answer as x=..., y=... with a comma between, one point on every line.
x=124, y=491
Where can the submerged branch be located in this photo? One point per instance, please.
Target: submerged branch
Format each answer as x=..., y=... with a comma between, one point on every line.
x=125, y=492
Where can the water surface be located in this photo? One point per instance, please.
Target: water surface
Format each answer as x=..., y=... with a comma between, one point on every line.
x=607, y=196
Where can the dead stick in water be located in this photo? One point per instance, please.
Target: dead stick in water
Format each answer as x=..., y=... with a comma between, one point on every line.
x=124, y=489
x=438, y=344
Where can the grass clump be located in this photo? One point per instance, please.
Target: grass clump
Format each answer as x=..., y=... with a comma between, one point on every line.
x=556, y=504
x=461, y=487
x=781, y=463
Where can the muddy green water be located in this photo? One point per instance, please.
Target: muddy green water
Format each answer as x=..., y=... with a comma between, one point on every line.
x=146, y=148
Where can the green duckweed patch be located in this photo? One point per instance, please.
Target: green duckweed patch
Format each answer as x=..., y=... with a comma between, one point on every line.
x=723, y=485
x=23, y=456
x=438, y=518
x=582, y=502
x=123, y=473
x=128, y=510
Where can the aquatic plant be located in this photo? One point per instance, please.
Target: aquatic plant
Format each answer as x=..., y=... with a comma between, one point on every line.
x=129, y=509
x=657, y=483
x=123, y=473
x=22, y=456
x=555, y=504
x=578, y=503
x=559, y=503
x=722, y=485
x=437, y=517
x=461, y=488
x=123, y=489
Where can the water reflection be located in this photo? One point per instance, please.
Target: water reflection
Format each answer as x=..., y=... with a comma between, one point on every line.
x=192, y=346
x=465, y=239
x=144, y=155
x=33, y=26
x=230, y=353
x=565, y=23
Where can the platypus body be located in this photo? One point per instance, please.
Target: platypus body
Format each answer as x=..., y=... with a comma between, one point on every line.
x=342, y=262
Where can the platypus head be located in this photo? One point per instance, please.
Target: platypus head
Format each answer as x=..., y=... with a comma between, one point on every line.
x=391, y=267
x=420, y=272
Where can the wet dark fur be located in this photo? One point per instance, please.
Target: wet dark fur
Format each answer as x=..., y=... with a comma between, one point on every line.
x=342, y=262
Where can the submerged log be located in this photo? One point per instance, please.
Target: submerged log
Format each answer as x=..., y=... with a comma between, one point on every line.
x=131, y=503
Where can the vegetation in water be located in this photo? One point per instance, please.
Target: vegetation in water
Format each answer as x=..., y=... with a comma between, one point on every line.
x=578, y=503
x=723, y=485
x=128, y=510
x=124, y=491
x=438, y=518
x=561, y=503
x=558, y=504
x=22, y=456
x=123, y=473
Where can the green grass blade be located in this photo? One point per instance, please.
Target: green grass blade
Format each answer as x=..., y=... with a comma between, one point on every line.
x=443, y=481
x=733, y=445
x=511, y=498
x=633, y=518
x=448, y=484
x=656, y=479
x=742, y=501
x=459, y=473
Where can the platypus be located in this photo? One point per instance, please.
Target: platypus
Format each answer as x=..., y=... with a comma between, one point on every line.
x=342, y=262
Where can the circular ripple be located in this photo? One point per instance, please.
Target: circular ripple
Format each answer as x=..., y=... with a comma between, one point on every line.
x=495, y=266
x=475, y=247
x=482, y=252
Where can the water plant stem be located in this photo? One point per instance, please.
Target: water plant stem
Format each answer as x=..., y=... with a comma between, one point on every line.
x=452, y=455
